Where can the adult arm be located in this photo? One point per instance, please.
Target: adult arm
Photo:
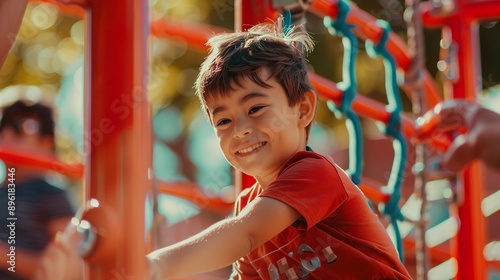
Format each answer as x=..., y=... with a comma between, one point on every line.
x=480, y=141
x=27, y=260
x=226, y=241
x=61, y=259
x=63, y=248
x=11, y=15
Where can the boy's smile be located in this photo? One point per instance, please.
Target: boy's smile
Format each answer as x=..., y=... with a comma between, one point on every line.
x=251, y=149
x=257, y=129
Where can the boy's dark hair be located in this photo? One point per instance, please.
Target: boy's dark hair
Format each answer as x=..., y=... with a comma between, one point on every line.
x=13, y=116
x=239, y=55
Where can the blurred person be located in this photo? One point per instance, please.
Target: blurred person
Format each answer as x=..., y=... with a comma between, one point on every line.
x=478, y=128
x=41, y=209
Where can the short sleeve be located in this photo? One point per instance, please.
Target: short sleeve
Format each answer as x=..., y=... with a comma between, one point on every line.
x=311, y=185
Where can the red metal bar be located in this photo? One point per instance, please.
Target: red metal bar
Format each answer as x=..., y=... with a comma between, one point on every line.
x=193, y=193
x=440, y=253
x=470, y=240
x=470, y=12
x=68, y=7
x=325, y=7
x=372, y=190
x=468, y=246
x=118, y=134
x=248, y=13
x=42, y=162
x=195, y=35
x=469, y=243
x=485, y=10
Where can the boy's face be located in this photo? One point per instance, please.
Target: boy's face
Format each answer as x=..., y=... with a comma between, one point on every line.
x=257, y=130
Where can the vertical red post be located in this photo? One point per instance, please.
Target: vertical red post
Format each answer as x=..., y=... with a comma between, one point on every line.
x=248, y=13
x=468, y=245
x=118, y=136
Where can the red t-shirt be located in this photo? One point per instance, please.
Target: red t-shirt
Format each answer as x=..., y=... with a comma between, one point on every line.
x=337, y=237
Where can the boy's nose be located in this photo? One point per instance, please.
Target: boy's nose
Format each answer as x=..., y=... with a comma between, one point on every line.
x=242, y=131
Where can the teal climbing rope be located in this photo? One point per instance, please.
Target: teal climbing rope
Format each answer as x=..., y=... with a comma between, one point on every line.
x=287, y=22
x=339, y=26
x=392, y=129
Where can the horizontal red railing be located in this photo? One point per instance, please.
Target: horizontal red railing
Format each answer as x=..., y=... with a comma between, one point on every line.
x=193, y=193
x=41, y=161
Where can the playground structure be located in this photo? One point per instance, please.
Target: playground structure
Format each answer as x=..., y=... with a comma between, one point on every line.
x=115, y=165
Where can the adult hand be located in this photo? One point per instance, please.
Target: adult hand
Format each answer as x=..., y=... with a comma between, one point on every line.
x=478, y=128
x=61, y=259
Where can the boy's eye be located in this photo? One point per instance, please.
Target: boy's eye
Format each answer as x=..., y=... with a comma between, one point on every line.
x=223, y=122
x=255, y=109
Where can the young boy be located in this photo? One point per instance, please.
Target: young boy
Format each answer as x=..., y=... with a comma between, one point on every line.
x=303, y=218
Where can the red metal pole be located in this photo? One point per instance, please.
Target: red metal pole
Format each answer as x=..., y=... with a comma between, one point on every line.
x=464, y=81
x=470, y=240
x=248, y=13
x=118, y=136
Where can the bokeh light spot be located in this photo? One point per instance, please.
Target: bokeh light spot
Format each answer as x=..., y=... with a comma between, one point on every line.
x=167, y=124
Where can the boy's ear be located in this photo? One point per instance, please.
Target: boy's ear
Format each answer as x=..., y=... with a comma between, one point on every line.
x=307, y=108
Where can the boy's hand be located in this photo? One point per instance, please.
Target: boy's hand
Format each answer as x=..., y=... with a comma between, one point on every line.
x=479, y=133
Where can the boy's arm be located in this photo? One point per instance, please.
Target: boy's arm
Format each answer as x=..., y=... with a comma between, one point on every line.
x=226, y=241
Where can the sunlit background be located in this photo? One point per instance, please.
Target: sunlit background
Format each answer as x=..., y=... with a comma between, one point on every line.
x=46, y=63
